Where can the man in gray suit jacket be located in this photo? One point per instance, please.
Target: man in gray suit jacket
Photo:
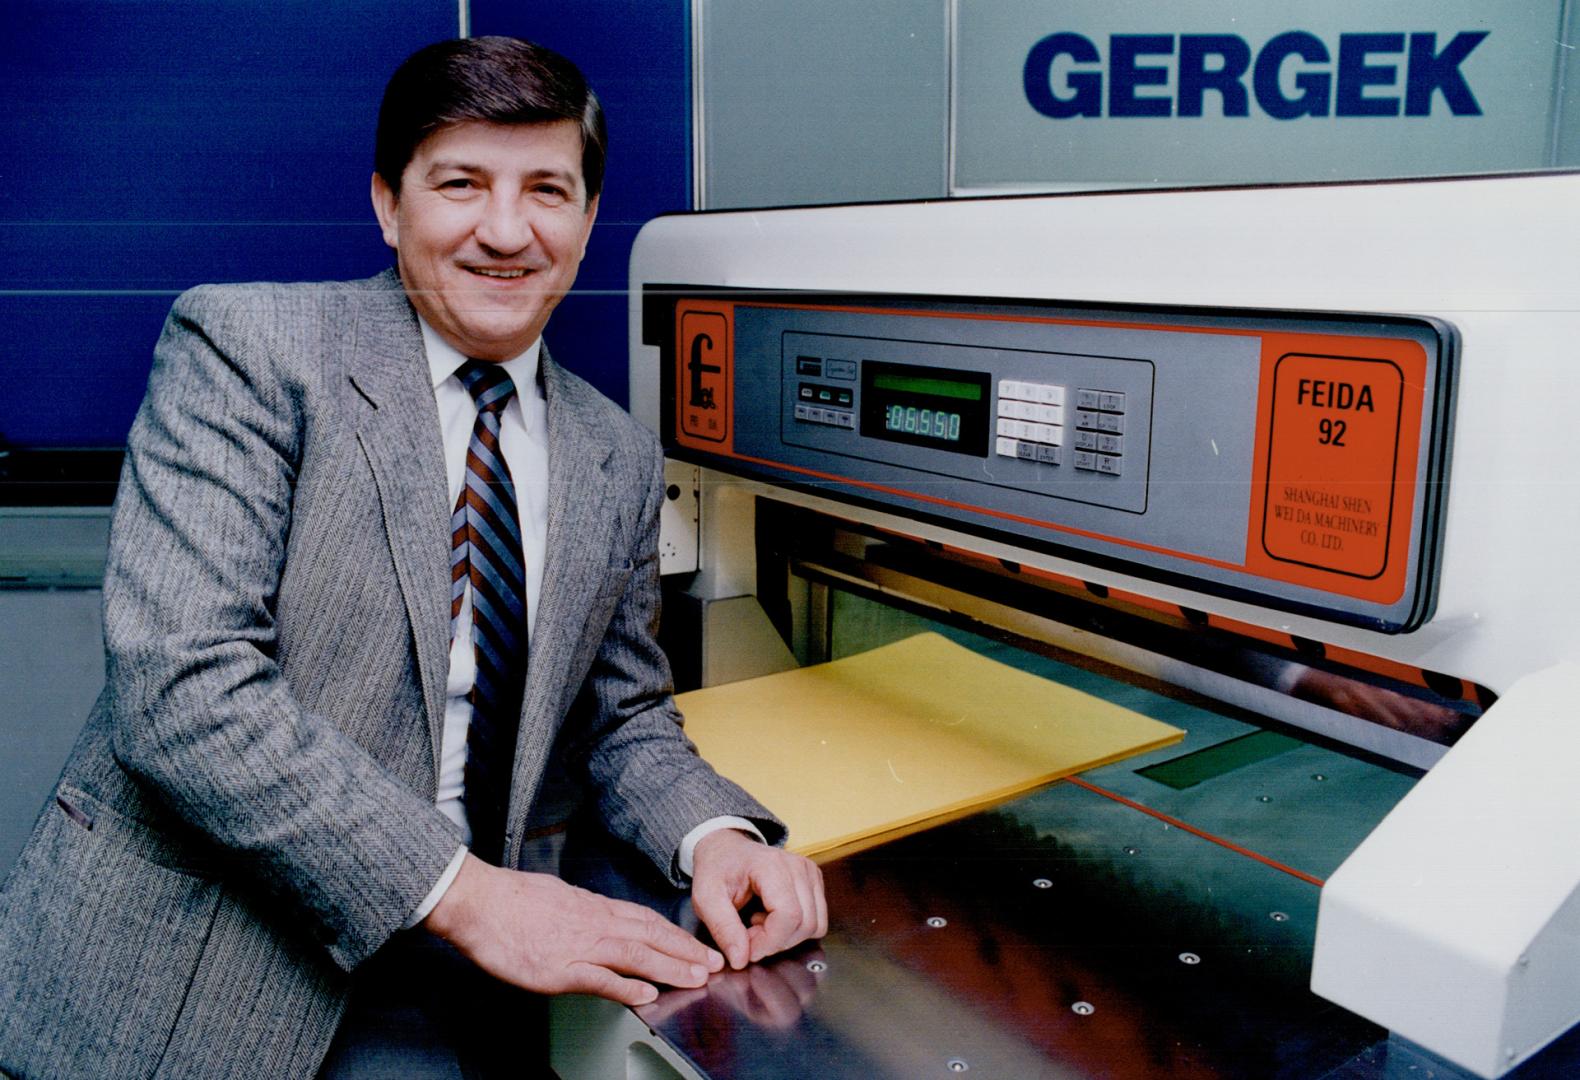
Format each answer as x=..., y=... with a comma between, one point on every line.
x=266, y=792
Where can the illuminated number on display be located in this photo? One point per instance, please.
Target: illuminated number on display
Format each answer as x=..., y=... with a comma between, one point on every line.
x=932, y=423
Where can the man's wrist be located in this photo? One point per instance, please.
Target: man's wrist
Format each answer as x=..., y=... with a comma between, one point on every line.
x=688, y=847
x=435, y=894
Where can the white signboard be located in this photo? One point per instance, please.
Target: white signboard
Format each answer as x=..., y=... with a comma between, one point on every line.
x=1084, y=93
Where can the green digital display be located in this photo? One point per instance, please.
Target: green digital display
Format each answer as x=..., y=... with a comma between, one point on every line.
x=934, y=407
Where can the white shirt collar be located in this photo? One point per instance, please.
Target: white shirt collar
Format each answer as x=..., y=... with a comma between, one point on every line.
x=444, y=360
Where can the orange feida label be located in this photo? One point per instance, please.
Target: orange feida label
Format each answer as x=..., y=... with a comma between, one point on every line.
x=704, y=374
x=1338, y=447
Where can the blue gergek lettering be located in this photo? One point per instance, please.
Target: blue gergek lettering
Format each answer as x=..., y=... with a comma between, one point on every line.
x=1293, y=75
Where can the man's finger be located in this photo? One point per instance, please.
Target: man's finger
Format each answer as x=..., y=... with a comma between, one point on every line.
x=806, y=894
x=633, y=956
x=821, y=929
x=587, y=978
x=712, y=904
x=781, y=928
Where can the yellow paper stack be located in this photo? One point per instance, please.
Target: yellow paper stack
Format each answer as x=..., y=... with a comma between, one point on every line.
x=862, y=750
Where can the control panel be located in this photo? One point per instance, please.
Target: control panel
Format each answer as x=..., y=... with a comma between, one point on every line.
x=940, y=407
x=1291, y=459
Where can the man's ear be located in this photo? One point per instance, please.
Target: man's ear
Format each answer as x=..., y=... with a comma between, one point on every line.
x=384, y=204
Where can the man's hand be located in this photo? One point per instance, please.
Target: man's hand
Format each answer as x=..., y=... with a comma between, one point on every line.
x=729, y=868
x=537, y=932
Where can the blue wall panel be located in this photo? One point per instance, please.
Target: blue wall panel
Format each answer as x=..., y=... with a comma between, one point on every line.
x=149, y=146
x=636, y=54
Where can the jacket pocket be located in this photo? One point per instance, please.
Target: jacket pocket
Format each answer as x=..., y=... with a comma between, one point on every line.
x=101, y=929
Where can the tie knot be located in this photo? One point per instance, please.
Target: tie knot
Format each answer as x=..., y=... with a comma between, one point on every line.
x=488, y=383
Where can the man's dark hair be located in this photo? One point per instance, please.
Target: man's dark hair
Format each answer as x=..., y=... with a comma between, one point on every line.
x=497, y=80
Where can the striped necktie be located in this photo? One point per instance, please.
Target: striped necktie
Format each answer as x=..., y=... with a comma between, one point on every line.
x=485, y=552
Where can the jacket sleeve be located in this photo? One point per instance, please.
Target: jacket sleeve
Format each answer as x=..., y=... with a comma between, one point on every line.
x=650, y=784
x=201, y=713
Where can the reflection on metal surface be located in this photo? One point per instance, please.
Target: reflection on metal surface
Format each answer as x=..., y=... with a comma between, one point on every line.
x=1081, y=978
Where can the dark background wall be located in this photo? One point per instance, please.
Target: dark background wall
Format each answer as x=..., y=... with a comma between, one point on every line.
x=146, y=147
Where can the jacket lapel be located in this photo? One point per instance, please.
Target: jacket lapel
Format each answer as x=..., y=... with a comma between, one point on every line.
x=582, y=517
x=398, y=430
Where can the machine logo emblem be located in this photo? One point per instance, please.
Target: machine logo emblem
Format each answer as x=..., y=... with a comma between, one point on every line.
x=702, y=386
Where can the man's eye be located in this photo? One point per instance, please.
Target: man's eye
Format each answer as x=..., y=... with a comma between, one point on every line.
x=552, y=191
x=460, y=183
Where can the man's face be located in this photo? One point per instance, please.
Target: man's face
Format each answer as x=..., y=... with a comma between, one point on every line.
x=489, y=227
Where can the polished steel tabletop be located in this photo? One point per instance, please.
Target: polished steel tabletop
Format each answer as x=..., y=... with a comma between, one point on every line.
x=1112, y=925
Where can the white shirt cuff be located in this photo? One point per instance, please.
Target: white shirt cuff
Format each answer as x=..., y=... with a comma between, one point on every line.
x=688, y=846
x=436, y=893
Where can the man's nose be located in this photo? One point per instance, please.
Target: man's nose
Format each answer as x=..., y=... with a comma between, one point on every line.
x=505, y=226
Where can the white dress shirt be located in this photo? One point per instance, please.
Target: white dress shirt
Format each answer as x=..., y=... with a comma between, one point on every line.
x=524, y=442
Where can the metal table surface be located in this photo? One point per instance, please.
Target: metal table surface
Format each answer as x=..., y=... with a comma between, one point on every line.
x=1107, y=926
x=983, y=949
x=1067, y=934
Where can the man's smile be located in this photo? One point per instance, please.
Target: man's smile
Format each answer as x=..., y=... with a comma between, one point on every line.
x=485, y=271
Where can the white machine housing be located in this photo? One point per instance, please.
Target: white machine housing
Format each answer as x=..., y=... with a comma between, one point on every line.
x=1456, y=923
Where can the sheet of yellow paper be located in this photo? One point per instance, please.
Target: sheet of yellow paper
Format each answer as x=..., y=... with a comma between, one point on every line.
x=861, y=750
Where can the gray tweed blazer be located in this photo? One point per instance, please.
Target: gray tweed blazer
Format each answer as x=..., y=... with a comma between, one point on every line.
x=249, y=812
